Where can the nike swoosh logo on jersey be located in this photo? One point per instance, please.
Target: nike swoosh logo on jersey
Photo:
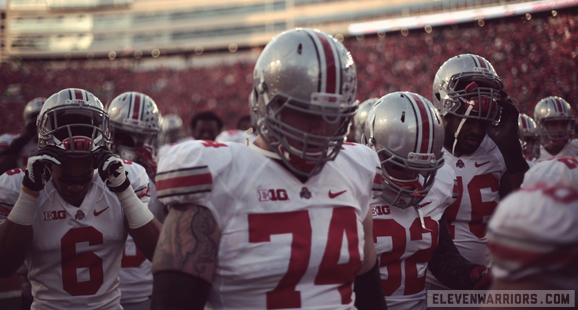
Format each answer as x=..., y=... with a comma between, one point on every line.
x=425, y=204
x=100, y=212
x=333, y=195
x=479, y=165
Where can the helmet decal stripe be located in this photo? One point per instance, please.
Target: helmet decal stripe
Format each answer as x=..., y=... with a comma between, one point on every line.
x=559, y=106
x=137, y=105
x=482, y=62
x=524, y=123
x=319, y=60
x=329, y=72
x=424, y=126
x=78, y=94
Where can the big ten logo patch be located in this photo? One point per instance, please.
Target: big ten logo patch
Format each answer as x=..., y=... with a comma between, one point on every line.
x=380, y=210
x=54, y=215
x=272, y=194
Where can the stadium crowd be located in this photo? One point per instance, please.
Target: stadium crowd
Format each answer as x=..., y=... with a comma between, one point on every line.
x=537, y=57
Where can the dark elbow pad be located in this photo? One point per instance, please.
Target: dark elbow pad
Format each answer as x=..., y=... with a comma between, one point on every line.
x=368, y=291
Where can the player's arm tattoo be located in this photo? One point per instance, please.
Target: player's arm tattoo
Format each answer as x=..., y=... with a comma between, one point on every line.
x=188, y=242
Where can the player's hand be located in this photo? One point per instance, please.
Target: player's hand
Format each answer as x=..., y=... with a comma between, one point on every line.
x=506, y=131
x=482, y=277
x=145, y=159
x=111, y=171
x=506, y=137
x=40, y=167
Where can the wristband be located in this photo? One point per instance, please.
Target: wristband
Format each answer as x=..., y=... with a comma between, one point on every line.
x=23, y=211
x=136, y=212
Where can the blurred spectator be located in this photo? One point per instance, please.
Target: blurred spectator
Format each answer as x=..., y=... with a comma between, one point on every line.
x=206, y=126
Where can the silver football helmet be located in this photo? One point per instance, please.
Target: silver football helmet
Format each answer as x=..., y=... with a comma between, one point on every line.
x=134, y=118
x=361, y=116
x=171, y=127
x=74, y=121
x=310, y=74
x=468, y=86
x=552, y=109
x=527, y=132
x=407, y=132
x=32, y=110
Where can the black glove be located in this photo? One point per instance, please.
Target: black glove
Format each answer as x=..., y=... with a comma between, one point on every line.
x=40, y=166
x=505, y=135
x=111, y=171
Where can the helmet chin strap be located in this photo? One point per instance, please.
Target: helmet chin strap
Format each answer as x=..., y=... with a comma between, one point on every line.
x=462, y=122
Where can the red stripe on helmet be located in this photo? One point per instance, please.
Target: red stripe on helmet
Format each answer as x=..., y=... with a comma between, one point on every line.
x=482, y=62
x=330, y=66
x=425, y=124
x=136, y=106
x=524, y=123
x=78, y=94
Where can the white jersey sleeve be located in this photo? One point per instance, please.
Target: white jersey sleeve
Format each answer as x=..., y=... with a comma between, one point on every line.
x=404, y=246
x=556, y=169
x=534, y=232
x=274, y=228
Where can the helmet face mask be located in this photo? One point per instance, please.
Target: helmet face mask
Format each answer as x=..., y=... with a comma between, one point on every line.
x=407, y=133
x=468, y=82
x=304, y=86
x=554, y=120
x=74, y=121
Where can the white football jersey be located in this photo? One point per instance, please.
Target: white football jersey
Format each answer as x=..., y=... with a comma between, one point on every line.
x=76, y=252
x=534, y=232
x=569, y=150
x=136, y=278
x=404, y=247
x=478, y=185
x=232, y=135
x=165, y=147
x=30, y=147
x=284, y=243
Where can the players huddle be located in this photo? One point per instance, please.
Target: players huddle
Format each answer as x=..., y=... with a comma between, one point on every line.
x=294, y=217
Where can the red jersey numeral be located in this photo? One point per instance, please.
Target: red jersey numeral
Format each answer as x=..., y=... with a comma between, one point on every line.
x=480, y=209
x=392, y=259
x=298, y=224
x=72, y=261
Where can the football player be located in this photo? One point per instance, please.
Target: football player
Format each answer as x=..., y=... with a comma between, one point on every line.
x=171, y=133
x=556, y=125
x=206, y=126
x=15, y=148
x=528, y=134
x=284, y=223
x=407, y=133
x=67, y=222
x=532, y=235
x=134, y=119
x=482, y=147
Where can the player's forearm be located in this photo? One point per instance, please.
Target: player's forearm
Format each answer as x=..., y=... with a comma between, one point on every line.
x=447, y=264
x=15, y=241
x=368, y=291
x=146, y=237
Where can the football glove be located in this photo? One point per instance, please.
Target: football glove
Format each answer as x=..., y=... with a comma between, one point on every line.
x=39, y=167
x=111, y=171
